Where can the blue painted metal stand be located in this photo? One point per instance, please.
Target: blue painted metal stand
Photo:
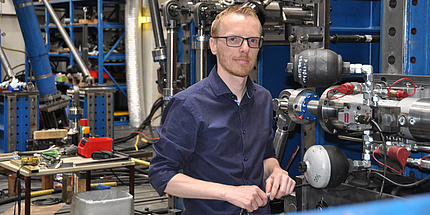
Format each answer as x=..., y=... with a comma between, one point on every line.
x=19, y=118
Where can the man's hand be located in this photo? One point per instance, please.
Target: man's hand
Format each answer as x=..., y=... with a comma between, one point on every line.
x=246, y=197
x=279, y=184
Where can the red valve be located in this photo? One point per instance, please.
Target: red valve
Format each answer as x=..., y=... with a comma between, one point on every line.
x=301, y=117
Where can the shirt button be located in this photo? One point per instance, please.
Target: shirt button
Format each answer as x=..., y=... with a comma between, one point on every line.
x=244, y=132
x=245, y=158
x=233, y=97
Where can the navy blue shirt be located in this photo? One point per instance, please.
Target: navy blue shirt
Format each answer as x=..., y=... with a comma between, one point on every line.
x=208, y=135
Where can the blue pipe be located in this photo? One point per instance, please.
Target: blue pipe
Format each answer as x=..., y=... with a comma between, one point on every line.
x=35, y=47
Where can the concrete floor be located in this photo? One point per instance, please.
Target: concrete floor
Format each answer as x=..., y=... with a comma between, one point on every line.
x=146, y=199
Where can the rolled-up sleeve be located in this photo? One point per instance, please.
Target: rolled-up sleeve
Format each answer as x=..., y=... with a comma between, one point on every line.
x=177, y=142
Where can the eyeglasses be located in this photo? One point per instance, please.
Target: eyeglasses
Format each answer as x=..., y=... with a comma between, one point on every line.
x=236, y=41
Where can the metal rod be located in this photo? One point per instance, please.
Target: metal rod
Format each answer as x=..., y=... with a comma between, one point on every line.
x=171, y=63
x=116, y=83
x=113, y=48
x=326, y=24
x=201, y=55
x=156, y=23
x=292, y=158
x=5, y=63
x=67, y=39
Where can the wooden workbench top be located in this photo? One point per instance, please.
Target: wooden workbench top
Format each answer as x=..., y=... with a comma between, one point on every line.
x=67, y=166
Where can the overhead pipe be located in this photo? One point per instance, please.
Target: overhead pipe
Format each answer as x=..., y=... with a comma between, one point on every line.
x=35, y=46
x=80, y=63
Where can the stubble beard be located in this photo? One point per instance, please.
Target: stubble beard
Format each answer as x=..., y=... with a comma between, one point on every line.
x=240, y=70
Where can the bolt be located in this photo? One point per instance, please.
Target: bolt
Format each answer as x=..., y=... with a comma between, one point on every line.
x=402, y=120
x=412, y=121
x=292, y=38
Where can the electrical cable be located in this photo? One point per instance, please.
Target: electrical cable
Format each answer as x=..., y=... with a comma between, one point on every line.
x=15, y=50
x=157, y=104
x=47, y=201
x=117, y=177
x=395, y=170
x=17, y=190
x=402, y=185
x=385, y=155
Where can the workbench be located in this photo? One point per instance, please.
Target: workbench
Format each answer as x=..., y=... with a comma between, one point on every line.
x=70, y=164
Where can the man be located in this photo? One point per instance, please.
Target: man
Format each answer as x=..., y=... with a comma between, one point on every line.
x=219, y=131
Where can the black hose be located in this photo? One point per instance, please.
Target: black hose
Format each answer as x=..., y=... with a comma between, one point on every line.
x=14, y=198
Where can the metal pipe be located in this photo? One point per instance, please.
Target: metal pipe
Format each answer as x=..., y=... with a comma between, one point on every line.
x=201, y=44
x=423, y=148
x=5, y=63
x=335, y=38
x=68, y=41
x=171, y=61
x=296, y=14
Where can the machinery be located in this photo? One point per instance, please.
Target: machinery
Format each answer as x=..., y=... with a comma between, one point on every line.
x=354, y=86
x=22, y=101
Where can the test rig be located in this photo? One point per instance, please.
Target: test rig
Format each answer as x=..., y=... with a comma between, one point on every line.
x=352, y=74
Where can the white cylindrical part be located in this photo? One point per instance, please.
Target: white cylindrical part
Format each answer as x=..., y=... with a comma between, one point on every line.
x=133, y=57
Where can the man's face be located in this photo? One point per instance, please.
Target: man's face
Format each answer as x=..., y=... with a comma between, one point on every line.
x=237, y=61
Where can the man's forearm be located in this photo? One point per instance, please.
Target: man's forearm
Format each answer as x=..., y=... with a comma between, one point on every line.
x=247, y=197
x=187, y=187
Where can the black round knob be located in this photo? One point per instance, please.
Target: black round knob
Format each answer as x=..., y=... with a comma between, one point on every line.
x=303, y=167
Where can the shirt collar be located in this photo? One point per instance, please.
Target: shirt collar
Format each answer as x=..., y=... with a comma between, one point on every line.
x=220, y=88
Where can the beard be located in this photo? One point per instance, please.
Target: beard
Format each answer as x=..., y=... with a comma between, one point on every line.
x=233, y=68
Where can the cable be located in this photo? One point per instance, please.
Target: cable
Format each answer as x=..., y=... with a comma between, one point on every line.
x=335, y=97
x=17, y=190
x=22, y=64
x=402, y=185
x=157, y=104
x=385, y=155
x=15, y=50
x=117, y=177
x=148, y=138
x=421, y=160
x=47, y=201
x=373, y=154
x=389, y=88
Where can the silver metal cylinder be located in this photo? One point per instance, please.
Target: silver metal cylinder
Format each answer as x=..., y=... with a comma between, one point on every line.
x=80, y=63
x=171, y=63
x=417, y=115
x=201, y=45
x=296, y=14
x=280, y=139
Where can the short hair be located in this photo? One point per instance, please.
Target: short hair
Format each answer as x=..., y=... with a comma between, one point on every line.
x=237, y=9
